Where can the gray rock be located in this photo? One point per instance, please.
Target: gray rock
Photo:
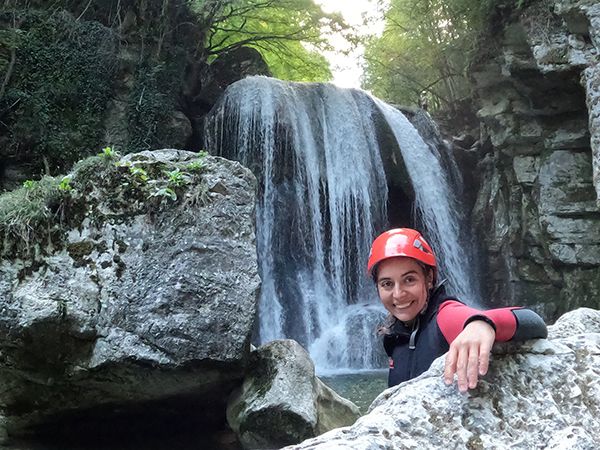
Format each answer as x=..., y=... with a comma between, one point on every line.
x=282, y=402
x=148, y=300
x=591, y=80
x=539, y=198
x=542, y=394
x=526, y=169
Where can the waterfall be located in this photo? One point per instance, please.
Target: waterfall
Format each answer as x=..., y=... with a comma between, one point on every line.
x=436, y=204
x=322, y=196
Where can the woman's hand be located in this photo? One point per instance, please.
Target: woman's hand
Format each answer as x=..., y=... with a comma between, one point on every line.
x=469, y=355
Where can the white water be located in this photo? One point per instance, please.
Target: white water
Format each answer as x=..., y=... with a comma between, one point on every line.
x=436, y=204
x=322, y=199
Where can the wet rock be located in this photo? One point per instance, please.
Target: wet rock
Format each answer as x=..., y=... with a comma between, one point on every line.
x=542, y=394
x=282, y=402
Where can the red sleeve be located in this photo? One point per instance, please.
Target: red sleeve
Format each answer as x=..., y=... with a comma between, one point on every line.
x=453, y=316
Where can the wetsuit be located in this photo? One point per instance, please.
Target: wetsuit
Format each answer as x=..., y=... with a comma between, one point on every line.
x=412, y=350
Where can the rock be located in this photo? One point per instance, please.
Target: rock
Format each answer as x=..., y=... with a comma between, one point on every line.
x=179, y=129
x=227, y=69
x=542, y=394
x=565, y=183
x=539, y=200
x=282, y=402
x=145, y=301
x=591, y=80
x=526, y=169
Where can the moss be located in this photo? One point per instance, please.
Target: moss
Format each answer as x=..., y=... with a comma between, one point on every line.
x=120, y=266
x=121, y=246
x=152, y=102
x=79, y=250
x=475, y=443
x=34, y=219
x=57, y=95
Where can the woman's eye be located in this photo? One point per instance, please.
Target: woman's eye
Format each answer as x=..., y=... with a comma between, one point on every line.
x=410, y=280
x=386, y=284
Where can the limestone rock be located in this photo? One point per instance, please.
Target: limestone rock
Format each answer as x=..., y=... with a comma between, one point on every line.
x=542, y=394
x=537, y=208
x=591, y=79
x=282, y=402
x=148, y=300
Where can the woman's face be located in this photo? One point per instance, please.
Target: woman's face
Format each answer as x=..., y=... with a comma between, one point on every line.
x=402, y=285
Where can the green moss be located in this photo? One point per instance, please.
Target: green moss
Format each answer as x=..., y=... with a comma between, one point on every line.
x=121, y=245
x=58, y=92
x=34, y=219
x=263, y=370
x=152, y=102
x=79, y=250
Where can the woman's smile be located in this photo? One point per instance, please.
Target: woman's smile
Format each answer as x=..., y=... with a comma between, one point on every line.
x=403, y=286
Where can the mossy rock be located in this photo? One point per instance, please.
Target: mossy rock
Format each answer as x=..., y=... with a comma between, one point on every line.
x=34, y=219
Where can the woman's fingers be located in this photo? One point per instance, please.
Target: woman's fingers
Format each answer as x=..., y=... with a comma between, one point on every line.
x=484, y=356
x=469, y=355
x=461, y=367
x=450, y=365
x=473, y=365
x=464, y=360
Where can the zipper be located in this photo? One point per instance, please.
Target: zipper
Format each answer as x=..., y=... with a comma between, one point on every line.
x=413, y=334
x=412, y=345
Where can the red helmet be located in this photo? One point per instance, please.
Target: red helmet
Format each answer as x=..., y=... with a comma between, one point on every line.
x=400, y=242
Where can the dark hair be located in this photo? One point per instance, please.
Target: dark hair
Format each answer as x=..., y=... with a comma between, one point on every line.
x=425, y=267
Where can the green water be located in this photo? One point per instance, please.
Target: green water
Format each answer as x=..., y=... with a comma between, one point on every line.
x=360, y=388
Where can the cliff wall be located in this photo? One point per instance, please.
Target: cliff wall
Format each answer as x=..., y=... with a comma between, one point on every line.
x=537, y=83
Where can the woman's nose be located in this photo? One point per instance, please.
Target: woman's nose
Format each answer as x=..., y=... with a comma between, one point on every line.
x=398, y=291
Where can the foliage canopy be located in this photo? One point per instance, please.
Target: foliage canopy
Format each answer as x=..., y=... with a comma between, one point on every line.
x=424, y=51
x=79, y=74
x=290, y=34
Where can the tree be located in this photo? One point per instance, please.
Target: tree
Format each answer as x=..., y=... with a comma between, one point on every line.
x=288, y=33
x=424, y=51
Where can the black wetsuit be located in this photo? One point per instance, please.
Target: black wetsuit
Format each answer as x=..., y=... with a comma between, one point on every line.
x=413, y=349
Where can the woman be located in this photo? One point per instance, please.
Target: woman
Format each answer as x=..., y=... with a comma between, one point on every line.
x=425, y=323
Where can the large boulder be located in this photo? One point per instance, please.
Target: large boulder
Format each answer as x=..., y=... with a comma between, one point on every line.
x=542, y=394
x=146, y=296
x=282, y=401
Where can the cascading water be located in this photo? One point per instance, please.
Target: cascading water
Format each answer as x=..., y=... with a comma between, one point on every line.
x=436, y=203
x=321, y=200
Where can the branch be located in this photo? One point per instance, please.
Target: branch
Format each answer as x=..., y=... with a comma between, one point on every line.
x=84, y=10
x=243, y=10
x=251, y=40
x=9, y=72
x=13, y=60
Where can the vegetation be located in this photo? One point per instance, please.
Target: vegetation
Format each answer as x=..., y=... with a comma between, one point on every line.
x=423, y=54
x=75, y=73
x=58, y=76
x=288, y=33
x=34, y=218
x=28, y=214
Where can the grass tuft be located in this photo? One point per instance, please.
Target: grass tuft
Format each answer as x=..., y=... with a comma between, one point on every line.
x=27, y=214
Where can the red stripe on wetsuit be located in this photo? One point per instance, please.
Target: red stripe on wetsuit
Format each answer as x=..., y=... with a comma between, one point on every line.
x=453, y=316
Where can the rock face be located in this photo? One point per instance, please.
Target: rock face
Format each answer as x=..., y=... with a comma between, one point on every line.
x=141, y=305
x=543, y=394
x=538, y=208
x=282, y=402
